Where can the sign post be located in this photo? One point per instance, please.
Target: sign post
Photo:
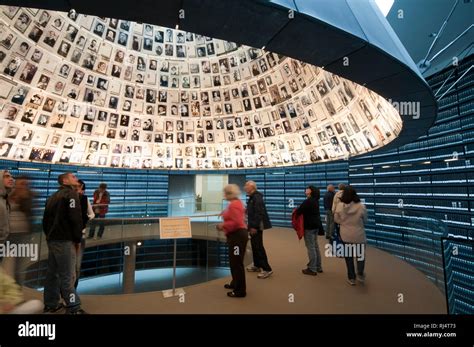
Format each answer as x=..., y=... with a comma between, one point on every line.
x=175, y=228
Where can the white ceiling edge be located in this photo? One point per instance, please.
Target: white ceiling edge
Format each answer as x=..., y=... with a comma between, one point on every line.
x=385, y=6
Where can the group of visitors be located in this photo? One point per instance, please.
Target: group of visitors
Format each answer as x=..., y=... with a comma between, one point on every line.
x=68, y=212
x=345, y=219
x=65, y=218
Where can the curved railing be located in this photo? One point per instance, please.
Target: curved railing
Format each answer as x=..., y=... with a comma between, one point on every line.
x=424, y=241
x=186, y=205
x=419, y=239
x=411, y=236
x=198, y=259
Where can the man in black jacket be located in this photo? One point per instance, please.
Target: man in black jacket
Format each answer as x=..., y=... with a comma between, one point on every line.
x=257, y=220
x=62, y=224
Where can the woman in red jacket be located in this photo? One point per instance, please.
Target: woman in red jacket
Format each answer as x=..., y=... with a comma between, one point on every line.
x=237, y=236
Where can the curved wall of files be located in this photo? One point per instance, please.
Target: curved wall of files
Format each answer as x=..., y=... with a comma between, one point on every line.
x=431, y=177
x=104, y=92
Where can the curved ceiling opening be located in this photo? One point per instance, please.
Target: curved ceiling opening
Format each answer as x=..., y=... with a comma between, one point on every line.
x=105, y=92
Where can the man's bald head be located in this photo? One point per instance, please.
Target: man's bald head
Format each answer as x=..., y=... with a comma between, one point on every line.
x=250, y=187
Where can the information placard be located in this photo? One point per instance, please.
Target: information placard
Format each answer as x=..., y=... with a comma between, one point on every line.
x=175, y=228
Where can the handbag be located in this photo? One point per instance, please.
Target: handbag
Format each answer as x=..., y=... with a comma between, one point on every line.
x=337, y=243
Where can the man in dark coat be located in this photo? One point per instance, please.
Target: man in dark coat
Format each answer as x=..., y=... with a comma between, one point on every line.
x=258, y=221
x=62, y=224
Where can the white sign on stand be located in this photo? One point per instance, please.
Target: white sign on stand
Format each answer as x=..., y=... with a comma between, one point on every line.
x=175, y=228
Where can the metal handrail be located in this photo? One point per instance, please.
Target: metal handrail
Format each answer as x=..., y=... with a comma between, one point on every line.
x=99, y=220
x=135, y=202
x=150, y=218
x=437, y=231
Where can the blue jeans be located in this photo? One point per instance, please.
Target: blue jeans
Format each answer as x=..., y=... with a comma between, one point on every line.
x=60, y=276
x=360, y=261
x=329, y=224
x=101, y=227
x=311, y=242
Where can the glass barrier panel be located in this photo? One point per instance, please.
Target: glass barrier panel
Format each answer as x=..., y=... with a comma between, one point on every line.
x=416, y=238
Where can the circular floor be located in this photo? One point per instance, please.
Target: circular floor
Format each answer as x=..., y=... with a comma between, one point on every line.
x=392, y=287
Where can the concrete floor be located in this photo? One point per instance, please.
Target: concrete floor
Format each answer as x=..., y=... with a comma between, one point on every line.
x=392, y=287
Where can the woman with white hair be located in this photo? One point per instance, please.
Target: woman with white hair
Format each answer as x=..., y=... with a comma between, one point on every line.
x=237, y=236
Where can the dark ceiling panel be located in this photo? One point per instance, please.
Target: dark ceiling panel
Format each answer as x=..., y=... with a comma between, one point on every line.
x=366, y=65
x=333, y=12
x=164, y=13
x=58, y=5
x=400, y=85
x=282, y=3
x=313, y=41
x=240, y=21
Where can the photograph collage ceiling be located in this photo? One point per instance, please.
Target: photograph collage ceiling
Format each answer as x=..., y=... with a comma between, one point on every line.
x=105, y=92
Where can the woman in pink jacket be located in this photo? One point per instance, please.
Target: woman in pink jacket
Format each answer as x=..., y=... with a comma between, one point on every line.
x=237, y=236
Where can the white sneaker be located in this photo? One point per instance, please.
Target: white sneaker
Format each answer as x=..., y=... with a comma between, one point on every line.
x=361, y=278
x=265, y=274
x=252, y=268
x=351, y=282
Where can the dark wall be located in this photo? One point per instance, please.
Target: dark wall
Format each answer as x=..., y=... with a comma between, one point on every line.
x=181, y=186
x=240, y=181
x=181, y=192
